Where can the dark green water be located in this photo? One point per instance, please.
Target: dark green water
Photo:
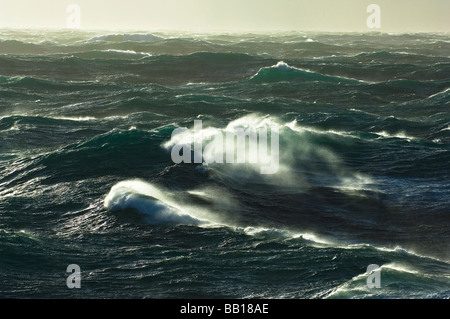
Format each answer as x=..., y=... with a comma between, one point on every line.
x=86, y=175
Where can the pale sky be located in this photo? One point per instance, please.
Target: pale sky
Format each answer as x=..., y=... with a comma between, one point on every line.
x=230, y=15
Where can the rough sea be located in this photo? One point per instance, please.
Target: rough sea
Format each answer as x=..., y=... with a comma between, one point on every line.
x=87, y=178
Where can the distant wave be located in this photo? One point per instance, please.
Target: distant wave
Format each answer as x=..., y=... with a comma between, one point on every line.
x=284, y=72
x=131, y=52
x=136, y=37
x=400, y=135
x=111, y=54
x=399, y=56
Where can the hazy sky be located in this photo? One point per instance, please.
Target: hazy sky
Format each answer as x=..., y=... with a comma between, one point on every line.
x=230, y=15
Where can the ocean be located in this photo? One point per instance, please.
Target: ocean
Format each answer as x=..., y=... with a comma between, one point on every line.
x=87, y=178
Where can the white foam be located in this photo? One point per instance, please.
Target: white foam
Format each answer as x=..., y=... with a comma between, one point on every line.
x=354, y=285
x=439, y=93
x=74, y=118
x=281, y=65
x=126, y=52
x=15, y=127
x=150, y=201
x=347, y=286
x=218, y=141
x=401, y=135
x=295, y=127
x=218, y=196
x=400, y=268
x=285, y=234
x=293, y=147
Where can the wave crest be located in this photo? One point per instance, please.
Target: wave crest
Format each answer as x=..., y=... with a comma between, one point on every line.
x=284, y=72
x=149, y=201
x=135, y=37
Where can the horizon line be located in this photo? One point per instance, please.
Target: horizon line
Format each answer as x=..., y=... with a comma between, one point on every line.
x=223, y=31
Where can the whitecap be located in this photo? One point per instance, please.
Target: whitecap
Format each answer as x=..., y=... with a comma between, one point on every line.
x=150, y=201
x=138, y=37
